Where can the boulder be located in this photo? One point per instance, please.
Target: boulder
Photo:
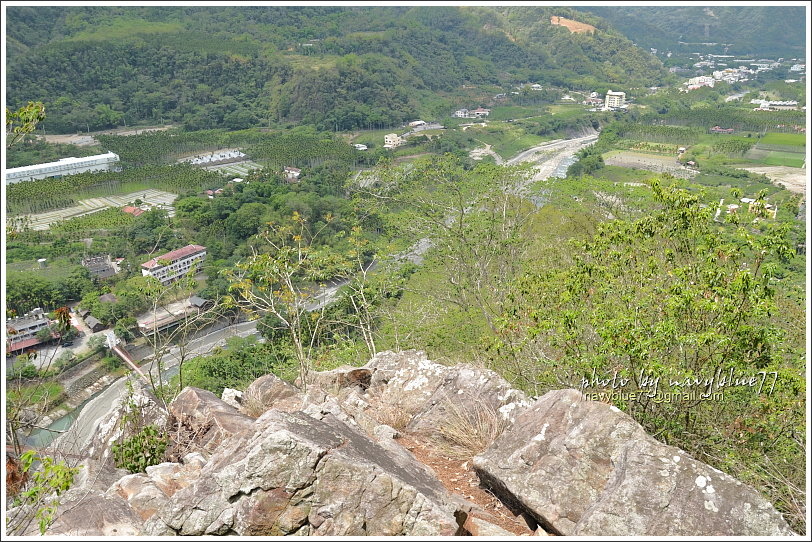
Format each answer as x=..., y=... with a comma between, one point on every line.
x=299, y=475
x=580, y=467
x=200, y=421
x=340, y=378
x=270, y=391
x=141, y=494
x=93, y=513
x=232, y=397
x=417, y=395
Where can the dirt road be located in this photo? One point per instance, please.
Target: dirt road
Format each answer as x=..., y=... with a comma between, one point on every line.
x=83, y=140
x=793, y=179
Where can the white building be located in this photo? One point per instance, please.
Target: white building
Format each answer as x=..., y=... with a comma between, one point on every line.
x=391, y=141
x=175, y=264
x=461, y=113
x=416, y=123
x=615, y=99
x=25, y=327
x=701, y=81
x=65, y=166
x=360, y=147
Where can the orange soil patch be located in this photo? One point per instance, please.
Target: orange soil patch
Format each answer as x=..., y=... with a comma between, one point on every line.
x=459, y=478
x=573, y=26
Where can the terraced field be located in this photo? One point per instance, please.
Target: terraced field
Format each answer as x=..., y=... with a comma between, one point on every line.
x=151, y=196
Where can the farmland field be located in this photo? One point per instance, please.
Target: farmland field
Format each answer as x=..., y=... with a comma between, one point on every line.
x=789, y=159
x=151, y=196
x=796, y=140
x=650, y=162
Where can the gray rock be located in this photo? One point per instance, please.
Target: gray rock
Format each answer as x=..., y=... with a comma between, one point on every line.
x=93, y=513
x=581, y=467
x=422, y=396
x=201, y=421
x=270, y=391
x=141, y=494
x=300, y=475
x=232, y=397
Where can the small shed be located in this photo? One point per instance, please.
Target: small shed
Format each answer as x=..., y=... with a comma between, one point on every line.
x=94, y=324
x=198, y=302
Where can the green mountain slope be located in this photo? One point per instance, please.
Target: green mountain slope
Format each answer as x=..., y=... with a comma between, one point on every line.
x=766, y=30
x=97, y=67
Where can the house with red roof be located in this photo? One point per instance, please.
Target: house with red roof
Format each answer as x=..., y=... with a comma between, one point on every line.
x=135, y=211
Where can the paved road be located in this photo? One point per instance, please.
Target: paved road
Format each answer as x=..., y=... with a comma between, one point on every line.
x=84, y=427
x=548, y=157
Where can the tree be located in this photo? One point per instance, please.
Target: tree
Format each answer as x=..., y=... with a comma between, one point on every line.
x=23, y=121
x=658, y=316
x=473, y=221
x=283, y=277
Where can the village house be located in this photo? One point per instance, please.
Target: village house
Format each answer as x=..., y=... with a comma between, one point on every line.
x=101, y=267
x=480, y=112
x=21, y=331
x=391, y=141
x=292, y=174
x=135, y=211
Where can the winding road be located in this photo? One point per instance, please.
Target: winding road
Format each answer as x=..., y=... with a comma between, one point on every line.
x=548, y=156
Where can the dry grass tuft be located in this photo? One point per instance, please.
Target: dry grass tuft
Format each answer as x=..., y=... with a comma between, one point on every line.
x=469, y=431
x=392, y=407
x=252, y=404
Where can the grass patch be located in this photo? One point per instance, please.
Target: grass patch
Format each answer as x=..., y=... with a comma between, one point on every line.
x=506, y=112
x=47, y=392
x=773, y=138
x=790, y=159
x=57, y=269
x=120, y=27
x=312, y=62
x=506, y=140
x=568, y=111
x=624, y=175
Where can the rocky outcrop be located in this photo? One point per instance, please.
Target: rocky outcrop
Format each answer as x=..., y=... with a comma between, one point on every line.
x=431, y=395
x=300, y=475
x=329, y=460
x=581, y=467
x=270, y=391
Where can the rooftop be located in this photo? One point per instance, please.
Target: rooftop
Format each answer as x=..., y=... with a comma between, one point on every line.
x=174, y=255
x=65, y=161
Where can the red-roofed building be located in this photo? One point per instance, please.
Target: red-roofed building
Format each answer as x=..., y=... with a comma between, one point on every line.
x=175, y=264
x=22, y=345
x=135, y=211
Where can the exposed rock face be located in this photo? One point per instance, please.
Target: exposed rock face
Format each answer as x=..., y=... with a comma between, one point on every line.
x=328, y=462
x=270, y=391
x=297, y=474
x=431, y=394
x=202, y=418
x=585, y=468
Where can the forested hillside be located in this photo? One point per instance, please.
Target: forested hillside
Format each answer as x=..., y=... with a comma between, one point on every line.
x=769, y=30
x=337, y=68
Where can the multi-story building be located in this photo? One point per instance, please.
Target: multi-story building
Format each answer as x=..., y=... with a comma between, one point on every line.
x=701, y=81
x=392, y=140
x=65, y=166
x=175, y=264
x=22, y=330
x=615, y=99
